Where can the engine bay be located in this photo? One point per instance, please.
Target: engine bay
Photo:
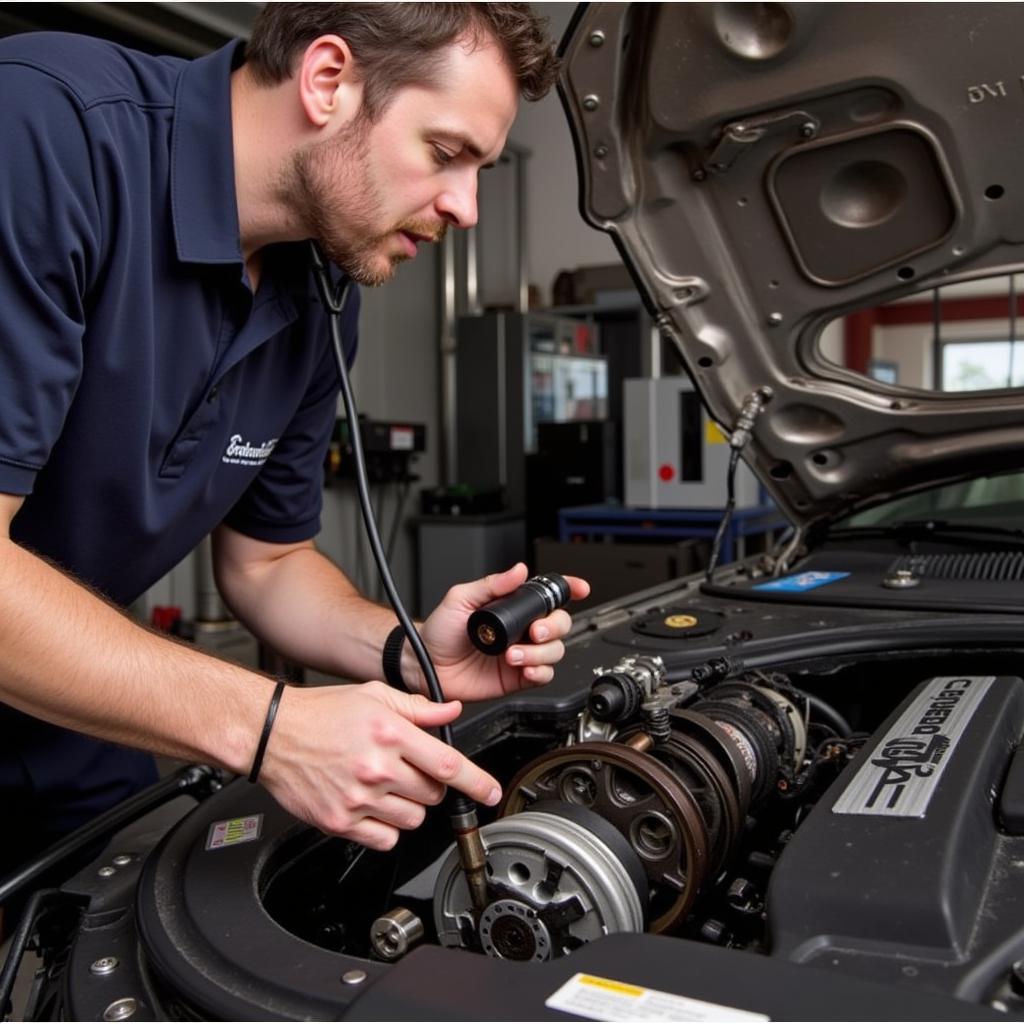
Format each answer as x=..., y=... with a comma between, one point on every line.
x=717, y=778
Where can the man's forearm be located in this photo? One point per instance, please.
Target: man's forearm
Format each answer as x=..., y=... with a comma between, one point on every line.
x=70, y=658
x=304, y=607
x=352, y=760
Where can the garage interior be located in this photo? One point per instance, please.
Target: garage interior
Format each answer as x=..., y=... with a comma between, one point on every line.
x=453, y=481
x=525, y=396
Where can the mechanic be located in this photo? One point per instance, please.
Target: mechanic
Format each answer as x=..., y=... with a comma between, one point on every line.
x=166, y=371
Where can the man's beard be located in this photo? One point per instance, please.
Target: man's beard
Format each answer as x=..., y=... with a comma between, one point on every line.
x=332, y=190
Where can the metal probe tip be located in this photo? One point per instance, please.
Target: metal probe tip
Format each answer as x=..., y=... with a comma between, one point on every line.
x=472, y=857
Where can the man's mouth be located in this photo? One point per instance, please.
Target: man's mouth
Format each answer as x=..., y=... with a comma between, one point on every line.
x=409, y=243
x=412, y=240
x=416, y=232
x=415, y=237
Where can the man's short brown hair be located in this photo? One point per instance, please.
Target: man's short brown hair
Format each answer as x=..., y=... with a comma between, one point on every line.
x=398, y=45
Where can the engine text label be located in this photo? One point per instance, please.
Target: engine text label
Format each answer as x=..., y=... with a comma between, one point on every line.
x=233, y=831
x=905, y=766
x=586, y=995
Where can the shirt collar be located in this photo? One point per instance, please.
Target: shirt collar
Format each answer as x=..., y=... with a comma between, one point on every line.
x=204, y=206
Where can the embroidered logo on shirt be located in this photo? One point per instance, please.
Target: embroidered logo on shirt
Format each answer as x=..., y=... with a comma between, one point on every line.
x=240, y=453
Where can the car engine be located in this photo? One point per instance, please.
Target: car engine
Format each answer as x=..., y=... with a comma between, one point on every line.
x=721, y=782
x=675, y=776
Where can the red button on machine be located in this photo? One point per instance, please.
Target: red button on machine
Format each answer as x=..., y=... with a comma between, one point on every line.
x=666, y=472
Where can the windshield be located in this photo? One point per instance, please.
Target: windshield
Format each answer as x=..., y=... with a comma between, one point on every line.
x=991, y=500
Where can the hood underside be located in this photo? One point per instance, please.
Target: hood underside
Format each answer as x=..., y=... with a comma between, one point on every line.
x=766, y=169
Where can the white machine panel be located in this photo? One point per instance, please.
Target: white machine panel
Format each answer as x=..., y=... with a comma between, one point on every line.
x=675, y=455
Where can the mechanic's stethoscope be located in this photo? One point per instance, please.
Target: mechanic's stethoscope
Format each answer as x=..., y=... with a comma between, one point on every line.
x=335, y=298
x=462, y=810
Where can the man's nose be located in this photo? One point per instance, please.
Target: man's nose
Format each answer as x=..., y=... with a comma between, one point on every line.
x=457, y=204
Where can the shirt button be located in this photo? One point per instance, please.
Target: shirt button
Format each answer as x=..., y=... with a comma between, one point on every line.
x=214, y=392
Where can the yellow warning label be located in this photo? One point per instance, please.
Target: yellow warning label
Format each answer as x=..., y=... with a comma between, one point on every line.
x=611, y=986
x=592, y=998
x=233, y=831
x=713, y=433
x=680, y=622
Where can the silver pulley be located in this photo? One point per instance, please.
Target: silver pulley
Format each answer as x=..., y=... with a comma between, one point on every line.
x=538, y=861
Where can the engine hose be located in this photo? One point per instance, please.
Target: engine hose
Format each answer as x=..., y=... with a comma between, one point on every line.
x=829, y=714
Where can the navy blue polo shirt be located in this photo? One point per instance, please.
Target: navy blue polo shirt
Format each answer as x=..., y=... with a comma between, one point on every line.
x=146, y=394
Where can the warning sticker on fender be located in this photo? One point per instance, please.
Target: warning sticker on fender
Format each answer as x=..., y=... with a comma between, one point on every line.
x=908, y=761
x=603, y=999
x=233, y=831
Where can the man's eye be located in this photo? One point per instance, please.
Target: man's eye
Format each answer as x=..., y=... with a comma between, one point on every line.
x=442, y=156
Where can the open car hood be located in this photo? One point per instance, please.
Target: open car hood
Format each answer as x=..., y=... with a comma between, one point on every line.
x=765, y=169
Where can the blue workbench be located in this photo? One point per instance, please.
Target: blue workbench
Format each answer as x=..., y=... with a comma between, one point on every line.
x=668, y=523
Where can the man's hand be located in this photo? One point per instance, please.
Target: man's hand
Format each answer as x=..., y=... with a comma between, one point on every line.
x=467, y=674
x=355, y=761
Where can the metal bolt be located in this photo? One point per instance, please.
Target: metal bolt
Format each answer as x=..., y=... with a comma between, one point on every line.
x=105, y=965
x=601, y=151
x=596, y=38
x=808, y=130
x=774, y=319
x=122, y=859
x=394, y=933
x=743, y=896
x=901, y=579
x=121, y=1009
x=106, y=871
x=591, y=102
x=354, y=977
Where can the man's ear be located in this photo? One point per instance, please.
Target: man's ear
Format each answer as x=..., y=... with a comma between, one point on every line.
x=329, y=89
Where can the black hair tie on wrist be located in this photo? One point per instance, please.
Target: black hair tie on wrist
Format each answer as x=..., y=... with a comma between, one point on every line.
x=268, y=724
x=391, y=659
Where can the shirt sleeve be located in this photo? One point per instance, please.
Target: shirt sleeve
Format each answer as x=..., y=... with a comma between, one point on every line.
x=50, y=239
x=283, y=504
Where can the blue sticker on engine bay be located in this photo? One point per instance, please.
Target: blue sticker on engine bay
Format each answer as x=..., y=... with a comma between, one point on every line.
x=802, y=581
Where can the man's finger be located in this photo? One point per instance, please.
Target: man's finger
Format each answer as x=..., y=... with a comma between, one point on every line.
x=397, y=811
x=479, y=592
x=537, y=675
x=415, y=708
x=578, y=588
x=535, y=654
x=373, y=834
x=551, y=627
x=432, y=757
x=447, y=765
x=414, y=785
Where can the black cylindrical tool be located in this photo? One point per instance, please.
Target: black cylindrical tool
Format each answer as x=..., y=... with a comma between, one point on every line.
x=501, y=623
x=615, y=697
